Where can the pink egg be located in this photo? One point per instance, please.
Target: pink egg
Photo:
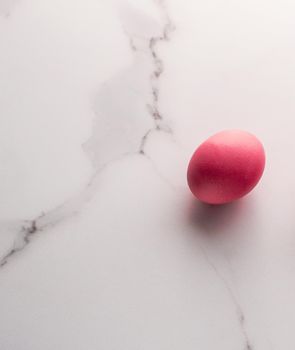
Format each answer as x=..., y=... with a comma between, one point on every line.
x=226, y=167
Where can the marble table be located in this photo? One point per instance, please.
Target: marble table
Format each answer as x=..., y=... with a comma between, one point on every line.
x=102, y=246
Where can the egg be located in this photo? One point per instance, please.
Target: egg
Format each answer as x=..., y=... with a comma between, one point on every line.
x=226, y=167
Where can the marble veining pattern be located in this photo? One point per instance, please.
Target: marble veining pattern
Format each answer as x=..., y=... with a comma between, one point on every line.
x=27, y=228
x=119, y=255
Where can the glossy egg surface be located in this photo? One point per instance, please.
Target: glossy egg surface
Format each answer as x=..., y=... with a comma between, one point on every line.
x=226, y=167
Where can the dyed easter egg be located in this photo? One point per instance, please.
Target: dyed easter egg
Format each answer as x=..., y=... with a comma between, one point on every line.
x=226, y=167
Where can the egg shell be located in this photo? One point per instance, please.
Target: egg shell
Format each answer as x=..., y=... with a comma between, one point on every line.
x=226, y=167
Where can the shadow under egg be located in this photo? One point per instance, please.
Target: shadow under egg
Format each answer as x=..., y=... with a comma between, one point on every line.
x=214, y=220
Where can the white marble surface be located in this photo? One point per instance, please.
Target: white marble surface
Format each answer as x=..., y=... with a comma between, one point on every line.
x=101, y=244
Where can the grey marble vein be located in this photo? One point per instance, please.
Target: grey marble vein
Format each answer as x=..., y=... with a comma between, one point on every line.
x=6, y=7
x=238, y=308
x=24, y=230
x=150, y=50
x=158, y=64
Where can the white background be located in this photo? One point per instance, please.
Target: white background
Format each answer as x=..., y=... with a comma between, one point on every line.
x=101, y=105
